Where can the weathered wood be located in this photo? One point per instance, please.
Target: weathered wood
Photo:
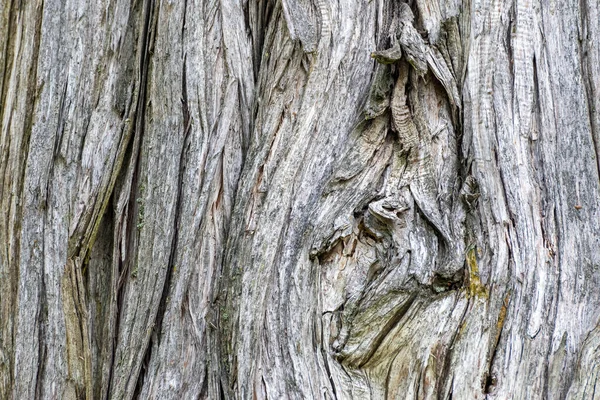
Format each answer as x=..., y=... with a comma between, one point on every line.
x=299, y=199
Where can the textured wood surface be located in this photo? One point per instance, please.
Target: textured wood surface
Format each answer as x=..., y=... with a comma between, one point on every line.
x=297, y=199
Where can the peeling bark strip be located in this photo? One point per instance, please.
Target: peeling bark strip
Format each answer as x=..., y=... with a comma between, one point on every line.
x=299, y=199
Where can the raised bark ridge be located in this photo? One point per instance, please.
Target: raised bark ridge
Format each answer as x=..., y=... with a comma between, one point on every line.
x=233, y=199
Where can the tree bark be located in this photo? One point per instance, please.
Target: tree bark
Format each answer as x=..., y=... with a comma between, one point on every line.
x=299, y=199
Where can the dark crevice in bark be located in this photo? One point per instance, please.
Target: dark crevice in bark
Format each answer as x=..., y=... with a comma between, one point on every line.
x=258, y=26
x=98, y=295
x=419, y=20
x=511, y=28
x=264, y=384
x=147, y=36
x=123, y=267
x=213, y=319
x=132, y=206
x=142, y=374
x=203, y=393
x=443, y=240
x=157, y=330
x=441, y=283
x=118, y=271
x=84, y=247
x=132, y=236
x=587, y=78
x=60, y=123
x=490, y=377
x=183, y=27
x=222, y=391
x=387, y=328
x=42, y=318
x=328, y=370
x=263, y=34
x=187, y=123
x=446, y=368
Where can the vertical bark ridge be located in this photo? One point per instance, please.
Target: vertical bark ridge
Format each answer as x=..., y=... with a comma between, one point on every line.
x=20, y=48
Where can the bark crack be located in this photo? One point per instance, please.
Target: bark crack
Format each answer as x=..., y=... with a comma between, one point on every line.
x=389, y=326
x=490, y=377
x=446, y=369
x=587, y=79
x=131, y=210
x=156, y=338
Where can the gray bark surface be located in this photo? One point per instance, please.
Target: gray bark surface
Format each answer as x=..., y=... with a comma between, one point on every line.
x=296, y=199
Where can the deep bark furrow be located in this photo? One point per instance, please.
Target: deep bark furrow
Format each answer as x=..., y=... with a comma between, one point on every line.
x=134, y=208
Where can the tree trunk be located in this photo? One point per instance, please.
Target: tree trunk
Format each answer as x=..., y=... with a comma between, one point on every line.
x=295, y=199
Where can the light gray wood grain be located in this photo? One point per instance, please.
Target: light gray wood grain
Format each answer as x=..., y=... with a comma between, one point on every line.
x=299, y=199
